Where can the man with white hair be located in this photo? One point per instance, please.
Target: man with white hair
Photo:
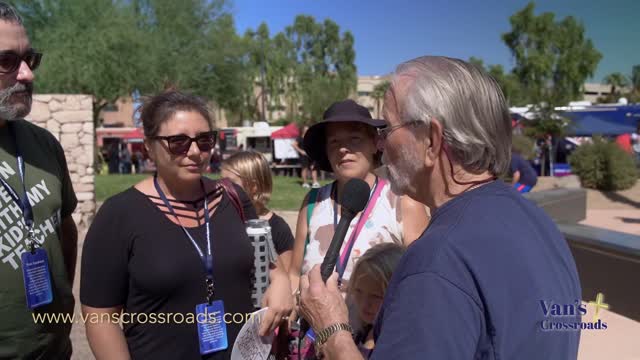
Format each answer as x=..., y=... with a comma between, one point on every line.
x=478, y=284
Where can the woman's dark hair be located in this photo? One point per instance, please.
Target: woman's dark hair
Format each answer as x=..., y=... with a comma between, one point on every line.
x=9, y=14
x=158, y=109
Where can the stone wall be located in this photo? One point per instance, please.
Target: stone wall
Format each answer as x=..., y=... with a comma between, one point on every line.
x=70, y=119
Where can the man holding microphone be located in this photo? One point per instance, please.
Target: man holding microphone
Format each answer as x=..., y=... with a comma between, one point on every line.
x=470, y=287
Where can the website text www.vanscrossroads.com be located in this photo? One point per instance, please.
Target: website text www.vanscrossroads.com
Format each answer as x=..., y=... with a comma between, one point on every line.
x=143, y=318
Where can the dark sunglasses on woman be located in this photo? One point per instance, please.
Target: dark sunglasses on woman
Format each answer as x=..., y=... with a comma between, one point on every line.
x=10, y=60
x=180, y=144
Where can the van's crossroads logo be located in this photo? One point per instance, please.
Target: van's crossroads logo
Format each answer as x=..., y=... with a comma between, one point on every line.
x=567, y=316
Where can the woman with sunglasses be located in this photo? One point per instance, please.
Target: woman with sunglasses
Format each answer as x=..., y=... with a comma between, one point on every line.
x=170, y=257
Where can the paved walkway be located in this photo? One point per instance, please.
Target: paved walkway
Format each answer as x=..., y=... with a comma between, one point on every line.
x=617, y=211
x=81, y=348
x=618, y=342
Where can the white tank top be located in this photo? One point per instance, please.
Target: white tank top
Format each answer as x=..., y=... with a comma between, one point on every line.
x=383, y=225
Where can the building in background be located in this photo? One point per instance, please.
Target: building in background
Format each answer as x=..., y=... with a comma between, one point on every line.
x=122, y=113
x=593, y=92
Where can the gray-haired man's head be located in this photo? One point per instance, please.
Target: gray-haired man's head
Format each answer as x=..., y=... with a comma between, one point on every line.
x=469, y=109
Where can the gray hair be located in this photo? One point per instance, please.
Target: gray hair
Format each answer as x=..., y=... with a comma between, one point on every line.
x=468, y=103
x=9, y=14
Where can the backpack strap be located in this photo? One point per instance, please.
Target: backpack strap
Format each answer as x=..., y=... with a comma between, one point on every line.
x=313, y=195
x=233, y=196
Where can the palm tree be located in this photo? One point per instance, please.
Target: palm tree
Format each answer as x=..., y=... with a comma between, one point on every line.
x=634, y=95
x=635, y=78
x=378, y=94
x=617, y=81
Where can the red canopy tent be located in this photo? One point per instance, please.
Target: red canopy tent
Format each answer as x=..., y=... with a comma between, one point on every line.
x=288, y=132
x=133, y=134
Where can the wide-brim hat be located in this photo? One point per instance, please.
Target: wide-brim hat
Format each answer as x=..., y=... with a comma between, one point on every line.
x=347, y=111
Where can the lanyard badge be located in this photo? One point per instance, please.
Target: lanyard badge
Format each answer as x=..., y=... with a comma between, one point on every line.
x=35, y=263
x=37, y=278
x=212, y=330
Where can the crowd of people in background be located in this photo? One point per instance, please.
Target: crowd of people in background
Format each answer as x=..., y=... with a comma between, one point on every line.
x=630, y=143
x=120, y=160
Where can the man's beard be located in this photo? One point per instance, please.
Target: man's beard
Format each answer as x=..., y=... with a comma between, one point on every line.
x=18, y=108
x=403, y=171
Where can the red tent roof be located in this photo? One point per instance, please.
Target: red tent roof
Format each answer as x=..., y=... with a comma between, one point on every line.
x=288, y=132
x=133, y=134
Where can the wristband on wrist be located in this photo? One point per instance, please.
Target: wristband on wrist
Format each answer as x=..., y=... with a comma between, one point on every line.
x=326, y=333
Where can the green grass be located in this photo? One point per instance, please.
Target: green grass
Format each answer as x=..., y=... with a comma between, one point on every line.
x=109, y=185
x=287, y=192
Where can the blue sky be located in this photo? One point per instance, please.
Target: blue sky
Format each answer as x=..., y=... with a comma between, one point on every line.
x=388, y=32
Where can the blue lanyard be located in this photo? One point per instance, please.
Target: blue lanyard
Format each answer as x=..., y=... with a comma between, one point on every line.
x=342, y=265
x=23, y=202
x=206, y=260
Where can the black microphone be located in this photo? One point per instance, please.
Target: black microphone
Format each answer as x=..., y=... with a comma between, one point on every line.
x=355, y=198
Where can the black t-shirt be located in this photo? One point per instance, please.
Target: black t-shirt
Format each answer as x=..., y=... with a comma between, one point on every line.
x=137, y=257
x=281, y=234
x=300, y=141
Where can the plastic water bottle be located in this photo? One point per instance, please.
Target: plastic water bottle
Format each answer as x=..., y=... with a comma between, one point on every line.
x=265, y=254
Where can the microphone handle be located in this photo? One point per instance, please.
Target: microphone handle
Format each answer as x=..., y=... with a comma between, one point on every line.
x=333, y=253
x=331, y=258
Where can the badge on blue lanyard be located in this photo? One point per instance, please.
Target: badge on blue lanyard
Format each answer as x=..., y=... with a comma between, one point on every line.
x=35, y=263
x=212, y=330
x=37, y=281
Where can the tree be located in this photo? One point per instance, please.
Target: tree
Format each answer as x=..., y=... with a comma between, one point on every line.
x=617, y=81
x=553, y=58
x=181, y=37
x=272, y=64
x=508, y=82
x=230, y=80
x=477, y=62
x=89, y=47
x=635, y=77
x=325, y=61
x=634, y=95
x=378, y=94
x=108, y=48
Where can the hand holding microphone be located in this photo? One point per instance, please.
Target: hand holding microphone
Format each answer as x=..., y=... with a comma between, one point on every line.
x=354, y=200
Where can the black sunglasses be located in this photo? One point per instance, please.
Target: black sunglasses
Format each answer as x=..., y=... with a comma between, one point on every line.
x=180, y=144
x=10, y=60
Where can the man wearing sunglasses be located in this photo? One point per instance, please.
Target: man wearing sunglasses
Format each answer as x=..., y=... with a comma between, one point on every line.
x=36, y=202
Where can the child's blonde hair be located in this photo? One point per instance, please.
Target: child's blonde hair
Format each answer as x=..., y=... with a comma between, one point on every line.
x=378, y=263
x=254, y=170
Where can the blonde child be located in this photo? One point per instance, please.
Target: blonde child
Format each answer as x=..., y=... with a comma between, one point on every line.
x=368, y=283
x=250, y=170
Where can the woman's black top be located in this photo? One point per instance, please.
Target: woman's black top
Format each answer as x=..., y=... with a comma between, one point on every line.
x=281, y=234
x=136, y=257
